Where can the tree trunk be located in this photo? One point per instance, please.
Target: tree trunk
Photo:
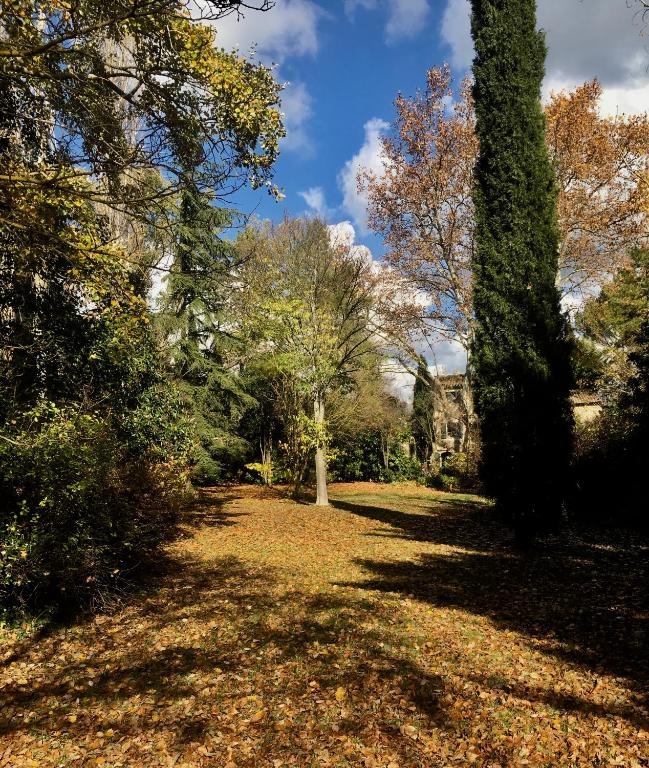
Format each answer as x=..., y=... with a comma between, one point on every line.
x=266, y=445
x=322, y=498
x=468, y=411
x=385, y=450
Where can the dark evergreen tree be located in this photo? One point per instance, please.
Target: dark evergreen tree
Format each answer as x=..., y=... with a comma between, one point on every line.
x=521, y=352
x=422, y=419
x=199, y=337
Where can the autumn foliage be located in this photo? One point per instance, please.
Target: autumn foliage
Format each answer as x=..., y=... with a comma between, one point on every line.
x=396, y=630
x=422, y=203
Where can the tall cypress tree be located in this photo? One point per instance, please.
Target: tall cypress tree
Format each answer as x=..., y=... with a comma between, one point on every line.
x=521, y=352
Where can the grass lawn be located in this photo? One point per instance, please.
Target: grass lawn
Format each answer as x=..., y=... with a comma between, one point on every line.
x=395, y=628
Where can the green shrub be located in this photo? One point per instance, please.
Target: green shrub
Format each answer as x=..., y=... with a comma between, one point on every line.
x=456, y=465
x=400, y=467
x=78, y=511
x=442, y=482
x=361, y=458
x=358, y=458
x=457, y=472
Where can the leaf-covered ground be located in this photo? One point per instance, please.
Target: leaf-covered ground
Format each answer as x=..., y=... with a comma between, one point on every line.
x=396, y=628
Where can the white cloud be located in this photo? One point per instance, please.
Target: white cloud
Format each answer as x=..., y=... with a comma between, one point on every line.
x=343, y=234
x=406, y=18
x=297, y=107
x=450, y=357
x=400, y=383
x=352, y=5
x=314, y=197
x=625, y=101
x=289, y=28
x=600, y=38
x=456, y=32
x=369, y=156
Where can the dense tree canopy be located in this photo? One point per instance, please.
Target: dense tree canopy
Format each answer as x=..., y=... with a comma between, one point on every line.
x=121, y=125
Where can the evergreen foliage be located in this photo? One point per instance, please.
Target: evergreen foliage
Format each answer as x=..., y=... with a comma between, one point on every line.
x=521, y=351
x=198, y=340
x=617, y=444
x=614, y=319
x=422, y=419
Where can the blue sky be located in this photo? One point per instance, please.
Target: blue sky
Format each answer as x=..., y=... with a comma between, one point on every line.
x=346, y=77
x=345, y=61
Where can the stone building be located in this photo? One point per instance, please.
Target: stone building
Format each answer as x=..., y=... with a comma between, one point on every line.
x=453, y=412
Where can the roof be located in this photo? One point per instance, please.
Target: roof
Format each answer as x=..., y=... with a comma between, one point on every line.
x=451, y=380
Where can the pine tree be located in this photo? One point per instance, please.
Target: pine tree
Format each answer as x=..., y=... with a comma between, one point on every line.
x=521, y=352
x=196, y=333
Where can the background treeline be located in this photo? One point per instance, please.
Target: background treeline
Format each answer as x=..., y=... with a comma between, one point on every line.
x=612, y=359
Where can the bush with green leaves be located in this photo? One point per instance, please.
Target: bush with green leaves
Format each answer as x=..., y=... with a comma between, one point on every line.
x=364, y=457
x=440, y=481
x=458, y=471
x=400, y=467
x=79, y=508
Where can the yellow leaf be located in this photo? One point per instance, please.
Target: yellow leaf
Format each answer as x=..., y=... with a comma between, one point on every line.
x=258, y=716
x=72, y=718
x=340, y=694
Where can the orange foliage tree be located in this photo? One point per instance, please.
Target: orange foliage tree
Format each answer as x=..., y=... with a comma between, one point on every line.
x=422, y=203
x=601, y=166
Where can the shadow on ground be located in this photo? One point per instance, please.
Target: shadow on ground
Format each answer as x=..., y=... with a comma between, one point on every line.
x=208, y=510
x=227, y=656
x=210, y=649
x=583, y=596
